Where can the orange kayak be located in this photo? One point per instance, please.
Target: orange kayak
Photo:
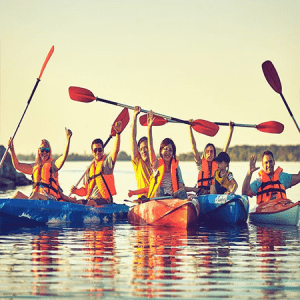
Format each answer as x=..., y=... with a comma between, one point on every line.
x=166, y=212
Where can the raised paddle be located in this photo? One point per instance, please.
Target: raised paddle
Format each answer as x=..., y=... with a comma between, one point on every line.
x=86, y=96
x=269, y=127
x=274, y=81
x=124, y=117
x=29, y=100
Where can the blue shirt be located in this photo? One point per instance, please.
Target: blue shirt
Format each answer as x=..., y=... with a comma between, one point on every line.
x=284, y=178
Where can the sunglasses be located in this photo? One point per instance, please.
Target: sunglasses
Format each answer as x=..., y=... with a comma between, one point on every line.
x=42, y=149
x=95, y=150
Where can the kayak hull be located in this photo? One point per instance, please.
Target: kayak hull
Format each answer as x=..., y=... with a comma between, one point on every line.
x=24, y=211
x=223, y=209
x=278, y=215
x=167, y=212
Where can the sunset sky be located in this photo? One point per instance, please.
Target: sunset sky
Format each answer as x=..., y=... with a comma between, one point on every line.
x=188, y=59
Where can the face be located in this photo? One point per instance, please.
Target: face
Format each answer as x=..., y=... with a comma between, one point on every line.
x=268, y=164
x=209, y=154
x=167, y=153
x=144, y=151
x=98, y=151
x=222, y=166
x=44, y=152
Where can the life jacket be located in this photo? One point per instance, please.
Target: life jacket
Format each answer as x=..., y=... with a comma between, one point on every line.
x=105, y=183
x=156, y=180
x=270, y=189
x=45, y=179
x=204, y=176
x=221, y=183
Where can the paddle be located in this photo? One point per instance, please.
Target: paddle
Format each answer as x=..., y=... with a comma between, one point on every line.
x=124, y=117
x=29, y=100
x=274, y=81
x=269, y=127
x=144, y=199
x=86, y=96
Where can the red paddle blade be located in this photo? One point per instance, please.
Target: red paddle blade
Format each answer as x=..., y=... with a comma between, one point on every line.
x=272, y=76
x=124, y=117
x=270, y=127
x=205, y=127
x=158, y=121
x=46, y=61
x=81, y=94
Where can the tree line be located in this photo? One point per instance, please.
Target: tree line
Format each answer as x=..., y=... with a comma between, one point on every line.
x=236, y=153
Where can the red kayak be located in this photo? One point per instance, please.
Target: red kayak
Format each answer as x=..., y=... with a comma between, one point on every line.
x=166, y=212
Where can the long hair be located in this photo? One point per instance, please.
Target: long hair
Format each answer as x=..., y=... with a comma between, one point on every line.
x=38, y=158
x=165, y=143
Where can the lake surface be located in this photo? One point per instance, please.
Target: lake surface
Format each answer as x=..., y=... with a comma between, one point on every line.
x=121, y=261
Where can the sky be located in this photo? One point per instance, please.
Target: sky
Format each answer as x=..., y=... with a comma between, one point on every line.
x=192, y=59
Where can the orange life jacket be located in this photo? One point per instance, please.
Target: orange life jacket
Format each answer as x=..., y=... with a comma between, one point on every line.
x=156, y=180
x=45, y=179
x=270, y=189
x=204, y=176
x=105, y=183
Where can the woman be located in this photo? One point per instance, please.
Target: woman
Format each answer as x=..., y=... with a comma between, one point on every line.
x=167, y=178
x=44, y=171
x=206, y=164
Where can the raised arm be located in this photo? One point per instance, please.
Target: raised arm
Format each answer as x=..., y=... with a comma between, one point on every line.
x=194, y=146
x=246, y=189
x=61, y=160
x=295, y=179
x=116, y=148
x=231, y=127
x=150, y=119
x=22, y=167
x=134, y=147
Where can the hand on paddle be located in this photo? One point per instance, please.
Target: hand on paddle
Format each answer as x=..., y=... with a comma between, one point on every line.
x=68, y=133
x=137, y=110
x=118, y=127
x=150, y=118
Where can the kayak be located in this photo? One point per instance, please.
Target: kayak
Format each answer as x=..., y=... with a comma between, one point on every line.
x=280, y=211
x=166, y=212
x=24, y=212
x=223, y=209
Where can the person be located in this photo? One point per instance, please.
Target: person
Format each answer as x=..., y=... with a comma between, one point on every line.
x=99, y=184
x=167, y=178
x=44, y=171
x=271, y=184
x=224, y=183
x=206, y=164
x=140, y=159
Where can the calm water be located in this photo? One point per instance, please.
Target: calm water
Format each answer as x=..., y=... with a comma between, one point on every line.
x=121, y=261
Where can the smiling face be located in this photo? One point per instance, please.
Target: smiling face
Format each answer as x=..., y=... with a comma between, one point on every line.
x=167, y=153
x=209, y=153
x=144, y=151
x=268, y=164
x=98, y=151
x=44, y=151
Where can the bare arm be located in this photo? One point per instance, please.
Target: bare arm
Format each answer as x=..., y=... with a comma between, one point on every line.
x=233, y=187
x=61, y=160
x=150, y=120
x=231, y=127
x=194, y=146
x=116, y=148
x=22, y=167
x=246, y=189
x=134, y=147
x=295, y=179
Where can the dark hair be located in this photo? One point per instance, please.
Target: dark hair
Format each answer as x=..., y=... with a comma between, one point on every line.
x=222, y=156
x=97, y=141
x=142, y=139
x=165, y=143
x=212, y=145
x=267, y=153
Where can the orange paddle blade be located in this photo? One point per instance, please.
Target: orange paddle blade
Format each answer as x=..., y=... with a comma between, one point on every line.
x=124, y=117
x=270, y=127
x=158, y=121
x=272, y=76
x=205, y=127
x=81, y=94
x=46, y=61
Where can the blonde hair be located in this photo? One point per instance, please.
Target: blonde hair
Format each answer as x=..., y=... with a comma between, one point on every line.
x=47, y=144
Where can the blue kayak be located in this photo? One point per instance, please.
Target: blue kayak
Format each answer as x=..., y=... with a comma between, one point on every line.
x=25, y=212
x=223, y=209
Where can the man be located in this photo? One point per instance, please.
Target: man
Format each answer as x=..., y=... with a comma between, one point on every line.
x=271, y=184
x=99, y=186
x=140, y=159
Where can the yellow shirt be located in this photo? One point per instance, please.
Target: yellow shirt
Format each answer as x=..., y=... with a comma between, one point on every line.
x=142, y=173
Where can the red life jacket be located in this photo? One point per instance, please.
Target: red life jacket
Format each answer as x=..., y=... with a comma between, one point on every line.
x=206, y=178
x=270, y=189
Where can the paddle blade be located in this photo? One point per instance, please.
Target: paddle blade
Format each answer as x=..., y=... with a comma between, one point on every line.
x=272, y=76
x=124, y=117
x=81, y=94
x=270, y=127
x=46, y=61
x=205, y=127
x=158, y=121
